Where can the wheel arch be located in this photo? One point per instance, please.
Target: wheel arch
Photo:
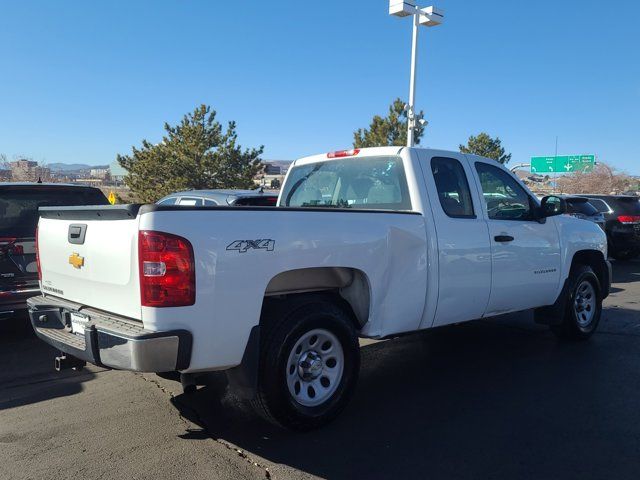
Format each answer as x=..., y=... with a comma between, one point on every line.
x=553, y=314
x=349, y=287
x=594, y=259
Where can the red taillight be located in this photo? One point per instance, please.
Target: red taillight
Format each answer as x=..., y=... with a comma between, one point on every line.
x=344, y=153
x=629, y=219
x=272, y=200
x=167, y=270
x=8, y=244
x=38, y=257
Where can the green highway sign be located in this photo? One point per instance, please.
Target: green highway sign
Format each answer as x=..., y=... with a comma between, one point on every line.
x=563, y=164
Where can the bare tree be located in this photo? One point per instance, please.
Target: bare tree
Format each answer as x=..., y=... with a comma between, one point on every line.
x=603, y=179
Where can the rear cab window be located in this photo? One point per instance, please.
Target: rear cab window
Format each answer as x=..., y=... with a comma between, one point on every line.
x=190, y=202
x=453, y=187
x=257, y=201
x=19, y=205
x=363, y=183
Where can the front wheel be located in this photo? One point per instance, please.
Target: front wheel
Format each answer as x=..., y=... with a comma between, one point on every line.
x=583, y=307
x=309, y=364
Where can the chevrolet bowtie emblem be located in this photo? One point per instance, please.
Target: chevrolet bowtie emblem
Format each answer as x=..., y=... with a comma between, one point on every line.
x=76, y=260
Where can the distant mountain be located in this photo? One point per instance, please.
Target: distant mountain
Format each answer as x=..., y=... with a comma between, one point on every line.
x=76, y=167
x=72, y=167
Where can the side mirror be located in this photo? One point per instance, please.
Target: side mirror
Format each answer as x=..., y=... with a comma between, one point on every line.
x=550, y=206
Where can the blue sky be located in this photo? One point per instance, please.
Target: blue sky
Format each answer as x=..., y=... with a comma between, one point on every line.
x=82, y=81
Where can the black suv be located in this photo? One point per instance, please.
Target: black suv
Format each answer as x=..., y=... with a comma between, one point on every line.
x=622, y=216
x=19, y=203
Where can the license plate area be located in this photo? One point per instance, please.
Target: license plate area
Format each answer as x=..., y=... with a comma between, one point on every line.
x=78, y=323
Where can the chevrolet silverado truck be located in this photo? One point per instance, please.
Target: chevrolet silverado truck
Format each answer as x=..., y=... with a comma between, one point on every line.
x=362, y=243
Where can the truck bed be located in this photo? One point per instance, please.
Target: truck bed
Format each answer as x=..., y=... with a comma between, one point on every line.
x=241, y=255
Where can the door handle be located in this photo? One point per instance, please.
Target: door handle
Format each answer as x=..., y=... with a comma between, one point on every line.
x=503, y=238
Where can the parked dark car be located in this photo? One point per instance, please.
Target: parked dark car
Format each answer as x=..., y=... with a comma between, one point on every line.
x=212, y=198
x=622, y=217
x=19, y=203
x=581, y=207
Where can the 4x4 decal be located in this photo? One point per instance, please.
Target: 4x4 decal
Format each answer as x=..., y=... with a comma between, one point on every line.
x=243, y=245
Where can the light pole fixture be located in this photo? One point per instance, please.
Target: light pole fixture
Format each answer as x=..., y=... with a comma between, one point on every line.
x=427, y=17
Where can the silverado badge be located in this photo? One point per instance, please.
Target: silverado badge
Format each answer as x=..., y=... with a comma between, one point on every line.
x=76, y=260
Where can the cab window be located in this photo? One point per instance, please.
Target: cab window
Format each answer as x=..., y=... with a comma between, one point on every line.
x=369, y=183
x=190, y=202
x=504, y=196
x=452, y=186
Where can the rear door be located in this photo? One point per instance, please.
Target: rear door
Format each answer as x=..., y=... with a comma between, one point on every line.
x=525, y=253
x=464, y=255
x=18, y=220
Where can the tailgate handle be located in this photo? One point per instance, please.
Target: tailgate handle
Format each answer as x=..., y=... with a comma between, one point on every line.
x=77, y=233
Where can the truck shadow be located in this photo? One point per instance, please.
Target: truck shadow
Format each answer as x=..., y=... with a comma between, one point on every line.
x=488, y=399
x=27, y=375
x=626, y=271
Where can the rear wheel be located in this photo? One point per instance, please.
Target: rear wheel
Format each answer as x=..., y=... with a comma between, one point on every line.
x=583, y=307
x=309, y=365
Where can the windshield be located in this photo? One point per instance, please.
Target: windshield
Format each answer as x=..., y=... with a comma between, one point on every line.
x=369, y=183
x=581, y=205
x=19, y=206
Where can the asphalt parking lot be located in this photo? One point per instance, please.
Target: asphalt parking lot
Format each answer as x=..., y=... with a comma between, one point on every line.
x=496, y=399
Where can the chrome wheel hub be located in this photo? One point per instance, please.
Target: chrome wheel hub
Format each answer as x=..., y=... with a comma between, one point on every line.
x=584, y=304
x=315, y=367
x=309, y=365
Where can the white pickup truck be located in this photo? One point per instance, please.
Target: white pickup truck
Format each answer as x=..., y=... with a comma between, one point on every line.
x=363, y=243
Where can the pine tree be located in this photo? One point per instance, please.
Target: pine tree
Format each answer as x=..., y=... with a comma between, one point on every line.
x=485, y=146
x=196, y=154
x=390, y=130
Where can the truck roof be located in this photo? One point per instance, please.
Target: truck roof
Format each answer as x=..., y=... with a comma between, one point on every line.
x=362, y=152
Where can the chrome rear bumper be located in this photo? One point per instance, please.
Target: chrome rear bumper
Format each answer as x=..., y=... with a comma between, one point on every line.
x=109, y=340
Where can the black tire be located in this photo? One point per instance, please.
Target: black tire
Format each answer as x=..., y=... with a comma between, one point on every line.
x=625, y=254
x=280, y=334
x=574, y=325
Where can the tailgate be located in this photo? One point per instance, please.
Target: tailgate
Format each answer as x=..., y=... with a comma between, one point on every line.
x=89, y=256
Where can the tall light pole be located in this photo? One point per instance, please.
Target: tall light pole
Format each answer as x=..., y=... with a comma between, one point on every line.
x=428, y=17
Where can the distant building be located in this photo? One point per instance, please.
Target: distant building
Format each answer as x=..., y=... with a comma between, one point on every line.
x=28, y=171
x=102, y=173
x=116, y=172
x=271, y=169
